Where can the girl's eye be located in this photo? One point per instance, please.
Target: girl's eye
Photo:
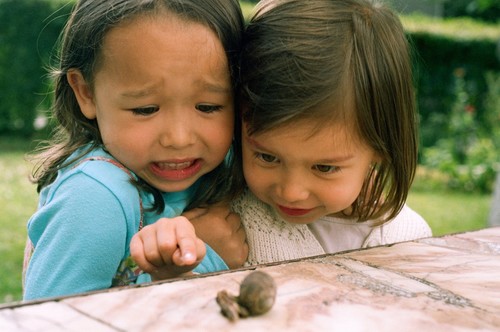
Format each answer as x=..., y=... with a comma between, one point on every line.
x=145, y=110
x=326, y=168
x=267, y=157
x=208, y=108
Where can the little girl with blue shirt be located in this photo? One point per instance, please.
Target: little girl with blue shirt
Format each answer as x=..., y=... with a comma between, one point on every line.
x=145, y=115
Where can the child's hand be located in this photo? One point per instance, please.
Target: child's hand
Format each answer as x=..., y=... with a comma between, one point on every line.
x=223, y=231
x=167, y=248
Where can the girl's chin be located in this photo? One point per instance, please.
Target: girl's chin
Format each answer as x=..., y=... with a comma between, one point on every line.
x=170, y=186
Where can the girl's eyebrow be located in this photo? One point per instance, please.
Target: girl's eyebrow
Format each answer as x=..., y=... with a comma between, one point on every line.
x=334, y=160
x=139, y=93
x=253, y=142
x=215, y=88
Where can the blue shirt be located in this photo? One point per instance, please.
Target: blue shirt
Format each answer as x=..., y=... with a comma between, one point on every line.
x=83, y=227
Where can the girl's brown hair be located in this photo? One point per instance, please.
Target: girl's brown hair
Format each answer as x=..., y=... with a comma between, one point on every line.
x=301, y=55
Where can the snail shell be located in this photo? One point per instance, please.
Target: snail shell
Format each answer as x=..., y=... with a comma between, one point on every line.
x=257, y=293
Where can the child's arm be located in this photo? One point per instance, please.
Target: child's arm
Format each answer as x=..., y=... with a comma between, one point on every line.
x=79, y=237
x=168, y=248
x=222, y=230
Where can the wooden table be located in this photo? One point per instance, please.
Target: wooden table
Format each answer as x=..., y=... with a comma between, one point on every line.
x=449, y=283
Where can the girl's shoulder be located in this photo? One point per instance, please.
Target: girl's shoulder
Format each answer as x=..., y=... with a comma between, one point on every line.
x=408, y=225
x=101, y=166
x=94, y=190
x=100, y=170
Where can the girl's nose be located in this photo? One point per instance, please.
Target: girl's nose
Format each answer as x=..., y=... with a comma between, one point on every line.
x=177, y=133
x=292, y=189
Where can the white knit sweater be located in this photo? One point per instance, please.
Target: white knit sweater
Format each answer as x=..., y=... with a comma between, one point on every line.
x=272, y=239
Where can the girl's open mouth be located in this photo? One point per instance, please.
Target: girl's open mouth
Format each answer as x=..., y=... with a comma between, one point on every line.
x=176, y=171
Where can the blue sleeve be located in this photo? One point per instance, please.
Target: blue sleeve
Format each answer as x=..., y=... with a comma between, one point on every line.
x=211, y=263
x=80, y=238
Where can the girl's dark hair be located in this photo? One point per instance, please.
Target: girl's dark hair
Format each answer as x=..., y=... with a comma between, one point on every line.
x=81, y=43
x=302, y=55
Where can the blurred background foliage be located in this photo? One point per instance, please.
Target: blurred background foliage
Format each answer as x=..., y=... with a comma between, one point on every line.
x=486, y=10
x=28, y=32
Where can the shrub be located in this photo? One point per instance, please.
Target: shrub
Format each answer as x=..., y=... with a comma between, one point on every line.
x=468, y=154
x=28, y=32
x=488, y=10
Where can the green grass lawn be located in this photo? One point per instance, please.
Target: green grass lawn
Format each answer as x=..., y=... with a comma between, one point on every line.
x=18, y=199
x=446, y=212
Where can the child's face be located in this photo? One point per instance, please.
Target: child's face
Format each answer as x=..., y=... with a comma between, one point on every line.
x=163, y=100
x=305, y=173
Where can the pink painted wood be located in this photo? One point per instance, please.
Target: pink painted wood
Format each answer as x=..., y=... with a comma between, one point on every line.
x=449, y=283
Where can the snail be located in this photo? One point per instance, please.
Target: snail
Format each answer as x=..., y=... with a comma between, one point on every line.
x=257, y=296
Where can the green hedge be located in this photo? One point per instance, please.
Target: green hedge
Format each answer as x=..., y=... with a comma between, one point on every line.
x=437, y=60
x=28, y=32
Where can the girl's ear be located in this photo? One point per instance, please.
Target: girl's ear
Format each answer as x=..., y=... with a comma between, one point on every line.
x=83, y=93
